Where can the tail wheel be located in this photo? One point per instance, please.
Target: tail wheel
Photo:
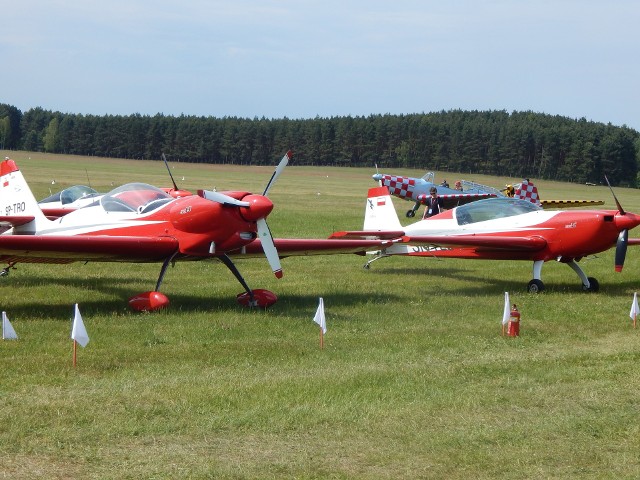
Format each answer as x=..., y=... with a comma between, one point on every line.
x=411, y=213
x=535, y=286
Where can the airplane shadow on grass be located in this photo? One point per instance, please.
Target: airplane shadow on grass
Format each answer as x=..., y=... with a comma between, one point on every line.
x=483, y=285
x=121, y=288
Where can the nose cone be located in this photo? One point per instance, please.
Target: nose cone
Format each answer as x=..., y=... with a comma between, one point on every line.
x=377, y=177
x=259, y=207
x=627, y=221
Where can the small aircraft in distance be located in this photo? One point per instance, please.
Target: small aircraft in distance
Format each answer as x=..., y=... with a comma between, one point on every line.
x=502, y=229
x=139, y=223
x=417, y=190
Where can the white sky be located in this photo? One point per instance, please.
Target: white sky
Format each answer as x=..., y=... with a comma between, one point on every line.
x=308, y=58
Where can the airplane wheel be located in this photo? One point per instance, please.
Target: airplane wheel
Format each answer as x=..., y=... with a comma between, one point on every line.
x=366, y=266
x=535, y=286
x=411, y=213
x=594, y=286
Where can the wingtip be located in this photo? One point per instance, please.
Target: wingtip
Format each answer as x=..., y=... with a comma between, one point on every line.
x=278, y=273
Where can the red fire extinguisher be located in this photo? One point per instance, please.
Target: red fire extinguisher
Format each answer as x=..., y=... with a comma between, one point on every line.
x=513, y=328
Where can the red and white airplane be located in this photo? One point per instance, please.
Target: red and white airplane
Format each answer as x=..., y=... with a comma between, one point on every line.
x=502, y=229
x=141, y=223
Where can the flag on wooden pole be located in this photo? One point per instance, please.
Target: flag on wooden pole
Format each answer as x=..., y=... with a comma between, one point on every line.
x=78, y=333
x=8, y=333
x=506, y=314
x=634, y=309
x=320, y=319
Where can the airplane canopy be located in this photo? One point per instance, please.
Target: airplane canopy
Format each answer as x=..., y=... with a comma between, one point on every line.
x=492, y=209
x=135, y=197
x=71, y=194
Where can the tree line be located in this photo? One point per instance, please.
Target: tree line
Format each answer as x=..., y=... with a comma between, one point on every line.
x=517, y=144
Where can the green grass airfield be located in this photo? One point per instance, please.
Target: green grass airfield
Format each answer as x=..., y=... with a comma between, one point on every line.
x=415, y=380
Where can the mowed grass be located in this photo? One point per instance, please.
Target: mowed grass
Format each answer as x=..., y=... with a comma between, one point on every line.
x=415, y=380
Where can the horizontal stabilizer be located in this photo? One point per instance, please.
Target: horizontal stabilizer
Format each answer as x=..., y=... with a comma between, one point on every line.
x=288, y=247
x=369, y=234
x=16, y=221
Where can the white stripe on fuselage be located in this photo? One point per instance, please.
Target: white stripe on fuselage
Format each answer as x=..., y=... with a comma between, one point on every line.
x=524, y=223
x=92, y=219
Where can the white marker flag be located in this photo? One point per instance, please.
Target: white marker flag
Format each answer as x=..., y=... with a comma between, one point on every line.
x=507, y=309
x=78, y=332
x=319, y=317
x=8, y=333
x=635, y=309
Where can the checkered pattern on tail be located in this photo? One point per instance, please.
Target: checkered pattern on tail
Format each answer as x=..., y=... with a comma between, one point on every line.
x=400, y=186
x=527, y=191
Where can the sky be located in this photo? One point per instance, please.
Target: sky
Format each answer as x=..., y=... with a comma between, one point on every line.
x=324, y=58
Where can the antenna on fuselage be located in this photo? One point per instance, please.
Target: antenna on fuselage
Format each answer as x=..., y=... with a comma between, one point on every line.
x=164, y=159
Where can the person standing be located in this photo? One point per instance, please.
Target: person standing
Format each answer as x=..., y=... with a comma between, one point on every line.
x=434, y=204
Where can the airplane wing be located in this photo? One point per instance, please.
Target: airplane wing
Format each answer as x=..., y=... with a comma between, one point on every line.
x=570, y=203
x=478, y=241
x=288, y=247
x=67, y=249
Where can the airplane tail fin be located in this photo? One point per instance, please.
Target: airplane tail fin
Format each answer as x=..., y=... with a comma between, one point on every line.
x=528, y=191
x=402, y=187
x=18, y=207
x=380, y=214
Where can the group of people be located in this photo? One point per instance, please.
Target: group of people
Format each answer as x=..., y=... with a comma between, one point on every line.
x=457, y=185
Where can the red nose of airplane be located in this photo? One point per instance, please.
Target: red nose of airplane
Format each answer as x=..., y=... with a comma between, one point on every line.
x=260, y=206
x=627, y=221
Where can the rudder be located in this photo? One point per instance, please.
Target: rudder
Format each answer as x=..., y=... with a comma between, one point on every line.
x=18, y=206
x=380, y=213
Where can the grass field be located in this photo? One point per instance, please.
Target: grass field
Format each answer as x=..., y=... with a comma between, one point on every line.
x=415, y=380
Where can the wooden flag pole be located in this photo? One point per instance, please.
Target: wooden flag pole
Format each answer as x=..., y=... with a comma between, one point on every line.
x=634, y=320
x=75, y=348
x=321, y=339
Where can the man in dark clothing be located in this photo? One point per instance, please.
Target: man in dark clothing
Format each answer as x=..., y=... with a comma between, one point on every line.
x=434, y=204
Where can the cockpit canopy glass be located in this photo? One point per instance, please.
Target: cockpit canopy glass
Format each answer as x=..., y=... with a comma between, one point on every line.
x=71, y=194
x=492, y=209
x=135, y=197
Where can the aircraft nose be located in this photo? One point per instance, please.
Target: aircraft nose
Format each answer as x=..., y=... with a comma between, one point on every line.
x=627, y=221
x=377, y=177
x=259, y=207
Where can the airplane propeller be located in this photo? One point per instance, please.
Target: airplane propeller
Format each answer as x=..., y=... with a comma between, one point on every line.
x=224, y=199
x=623, y=237
x=257, y=208
x=263, y=229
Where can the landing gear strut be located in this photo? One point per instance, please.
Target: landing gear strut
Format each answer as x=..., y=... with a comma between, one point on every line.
x=412, y=213
x=589, y=284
